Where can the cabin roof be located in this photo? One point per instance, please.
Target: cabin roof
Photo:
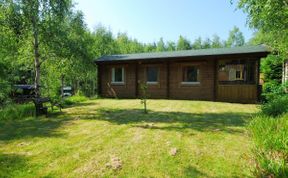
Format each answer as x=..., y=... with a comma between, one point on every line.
x=260, y=49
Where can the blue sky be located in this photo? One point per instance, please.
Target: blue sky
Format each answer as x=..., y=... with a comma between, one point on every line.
x=148, y=20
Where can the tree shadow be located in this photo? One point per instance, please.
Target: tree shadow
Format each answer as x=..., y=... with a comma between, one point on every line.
x=11, y=164
x=31, y=127
x=81, y=104
x=36, y=127
x=193, y=172
x=177, y=121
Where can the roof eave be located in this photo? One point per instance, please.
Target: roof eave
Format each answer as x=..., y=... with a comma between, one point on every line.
x=258, y=54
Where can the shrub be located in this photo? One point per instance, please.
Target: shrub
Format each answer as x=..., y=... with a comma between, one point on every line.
x=17, y=111
x=271, y=67
x=272, y=90
x=5, y=89
x=74, y=99
x=271, y=145
x=278, y=105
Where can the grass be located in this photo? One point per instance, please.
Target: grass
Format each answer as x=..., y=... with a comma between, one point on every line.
x=14, y=111
x=270, y=145
x=114, y=138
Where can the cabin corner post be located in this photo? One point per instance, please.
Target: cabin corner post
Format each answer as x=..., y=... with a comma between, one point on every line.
x=259, y=88
x=168, y=79
x=215, y=79
x=99, y=73
x=136, y=80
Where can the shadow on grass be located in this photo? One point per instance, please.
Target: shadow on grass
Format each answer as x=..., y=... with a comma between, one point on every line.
x=173, y=121
x=81, y=104
x=177, y=121
x=12, y=164
x=30, y=127
x=36, y=127
x=193, y=172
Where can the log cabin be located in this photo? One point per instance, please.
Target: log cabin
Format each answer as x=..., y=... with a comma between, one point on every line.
x=221, y=74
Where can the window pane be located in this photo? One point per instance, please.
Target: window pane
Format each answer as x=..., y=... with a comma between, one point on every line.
x=236, y=71
x=190, y=74
x=118, y=74
x=152, y=74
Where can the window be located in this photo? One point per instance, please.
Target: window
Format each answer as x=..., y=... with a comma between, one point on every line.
x=118, y=75
x=190, y=75
x=152, y=75
x=236, y=71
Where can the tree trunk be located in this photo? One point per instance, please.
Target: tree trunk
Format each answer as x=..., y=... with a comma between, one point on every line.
x=93, y=87
x=37, y=63
x=62, y=86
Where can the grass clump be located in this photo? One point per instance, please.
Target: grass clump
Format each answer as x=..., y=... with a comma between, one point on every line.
x=276, y=106
x=74, y=99
x=270, y=137
x=17, y=111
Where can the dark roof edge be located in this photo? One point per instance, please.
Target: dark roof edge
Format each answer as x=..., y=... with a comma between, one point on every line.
x=170, y=58
x=157, y=55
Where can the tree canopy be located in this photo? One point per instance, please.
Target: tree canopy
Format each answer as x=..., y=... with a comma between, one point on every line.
x=271, y=19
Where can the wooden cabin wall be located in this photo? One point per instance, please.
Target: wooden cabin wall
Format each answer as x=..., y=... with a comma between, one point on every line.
x=126, y=90
x=202, y=91
x=207, y=89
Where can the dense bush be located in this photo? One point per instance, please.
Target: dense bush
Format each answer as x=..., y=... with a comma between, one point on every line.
x=276, y=106
x=270, y=137
x=17, y=111
x=271, y=67
x=273, y=90
x=275, y=100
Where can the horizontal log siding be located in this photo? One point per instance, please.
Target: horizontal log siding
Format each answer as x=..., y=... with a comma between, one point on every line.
x=202, y=91
x=237, y=93
x=127, y=90
x=158, y=90
x=208, y=89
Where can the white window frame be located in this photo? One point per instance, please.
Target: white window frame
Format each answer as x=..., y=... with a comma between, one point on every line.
x=113, y=76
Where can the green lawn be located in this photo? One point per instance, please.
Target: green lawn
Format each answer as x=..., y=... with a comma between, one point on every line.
x=114, y=138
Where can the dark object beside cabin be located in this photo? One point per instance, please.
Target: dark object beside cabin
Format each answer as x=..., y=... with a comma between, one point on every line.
x=23, y=93
x=40, y=109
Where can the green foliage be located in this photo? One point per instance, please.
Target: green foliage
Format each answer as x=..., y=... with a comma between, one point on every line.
x=216, y=42
x=271, y=146
x=74, y=99
x=206, y=43
x=144, y=96
x=171, y=46
x=66, y=47
x=126, y=45
x=151, y=47
x=183, y=43
x=17, y=111
x=5, y=91
x=276, y=106
x=197, y=43
x=271, y=67
x=271, y=18
x=235, y=38
x=161, y=45
x=273, y=89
